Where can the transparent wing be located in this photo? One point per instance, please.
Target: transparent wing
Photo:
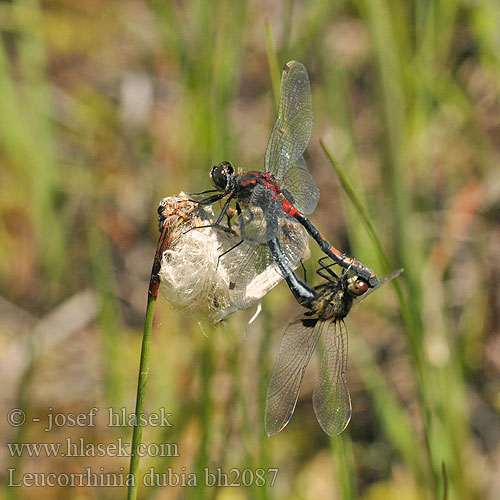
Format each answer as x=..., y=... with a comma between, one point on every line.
x=292, y=129
x=258, y=221
x=299, y=183
x=292, y=239
x=331, y=399
x=296, y=348
x=251, y=269
x=252, y=273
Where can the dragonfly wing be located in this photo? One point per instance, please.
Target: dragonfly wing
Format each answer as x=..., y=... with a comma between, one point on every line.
x=251, y=269
x=331, y=399
x=251, y=273
x=292, y=239
x=292, y=129
x=265, y=219
x=299, y=182
x=296, y=348
x=258, y=220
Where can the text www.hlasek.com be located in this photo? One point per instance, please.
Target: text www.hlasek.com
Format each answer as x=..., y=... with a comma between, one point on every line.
x=80, y=448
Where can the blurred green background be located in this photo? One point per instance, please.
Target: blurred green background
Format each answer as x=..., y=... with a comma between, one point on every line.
x=106, y=107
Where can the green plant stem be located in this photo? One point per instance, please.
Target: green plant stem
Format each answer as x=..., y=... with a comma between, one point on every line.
x=341, y=447
x=141, y=396
x=272, y=59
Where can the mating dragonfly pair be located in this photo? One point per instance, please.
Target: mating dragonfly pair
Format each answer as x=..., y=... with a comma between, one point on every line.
x=270, y=216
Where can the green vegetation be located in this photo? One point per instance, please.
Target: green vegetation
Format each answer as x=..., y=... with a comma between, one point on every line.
x=107, y=107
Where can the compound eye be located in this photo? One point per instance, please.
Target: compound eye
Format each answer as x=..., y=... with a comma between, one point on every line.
x=358, y=287
x=229, y=168
x=218, y=177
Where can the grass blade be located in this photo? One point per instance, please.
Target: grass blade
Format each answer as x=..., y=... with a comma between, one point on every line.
x=141, y=396
x=274, y=66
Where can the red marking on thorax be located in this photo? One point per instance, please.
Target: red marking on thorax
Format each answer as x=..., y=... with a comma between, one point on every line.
x=272, y=187
x=247, y=182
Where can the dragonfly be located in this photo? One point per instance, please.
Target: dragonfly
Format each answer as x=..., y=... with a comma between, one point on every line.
x=272, y=205
x=332, y=300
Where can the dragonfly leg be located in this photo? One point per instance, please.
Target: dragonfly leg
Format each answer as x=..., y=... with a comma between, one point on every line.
x=226, y=252
x=321, y=261
x=209, y=199
x=326, y=274
x=325, y=270
x=219, y=218
x=304, y=270
x=224, y=209
x=204, y=192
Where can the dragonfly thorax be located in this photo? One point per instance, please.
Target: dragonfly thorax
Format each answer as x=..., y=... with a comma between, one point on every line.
x=221, y=176
x=334, y=299
x=331, y=302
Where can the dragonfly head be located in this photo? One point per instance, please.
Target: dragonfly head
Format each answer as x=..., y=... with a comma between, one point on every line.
x=221, y=175
x=356, y=286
